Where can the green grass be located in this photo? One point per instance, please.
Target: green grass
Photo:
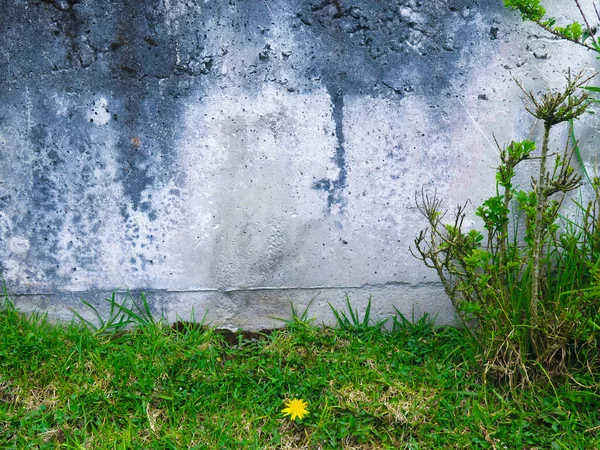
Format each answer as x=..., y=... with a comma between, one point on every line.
x=414, y=387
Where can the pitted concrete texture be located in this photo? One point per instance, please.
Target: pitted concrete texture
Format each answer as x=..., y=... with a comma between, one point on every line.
x=232, y=157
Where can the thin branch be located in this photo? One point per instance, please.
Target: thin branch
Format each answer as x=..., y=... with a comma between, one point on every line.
x=562, y=36
x=584, y=18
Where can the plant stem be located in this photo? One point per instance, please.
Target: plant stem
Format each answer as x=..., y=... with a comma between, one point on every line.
x=539, y=227
x=587, y=24
x=503, y=245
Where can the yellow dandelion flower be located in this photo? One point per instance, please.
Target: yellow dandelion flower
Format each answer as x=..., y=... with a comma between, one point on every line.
x=295, y=408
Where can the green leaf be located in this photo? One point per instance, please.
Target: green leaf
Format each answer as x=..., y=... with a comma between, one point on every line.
x=529, y=9
x=576, y=146
x=576, y=30
x=572, y=31
x=520, y=150
x=586, y=35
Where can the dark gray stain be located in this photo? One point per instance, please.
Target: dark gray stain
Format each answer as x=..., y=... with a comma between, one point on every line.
x=335, y=187
x=62, y=5
x=122, y=56
x=390, y=48
x=45, y=218
x=133, y=158
x=82, y=53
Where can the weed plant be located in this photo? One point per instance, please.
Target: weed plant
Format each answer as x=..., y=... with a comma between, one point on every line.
x=156, y=386
x=352, y=320
x=529, y=297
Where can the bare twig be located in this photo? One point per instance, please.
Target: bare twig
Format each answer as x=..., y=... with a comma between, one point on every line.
x=584, y=17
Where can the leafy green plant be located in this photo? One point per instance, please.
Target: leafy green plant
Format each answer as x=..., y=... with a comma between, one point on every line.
x=529, y=297
x=352, y=320
x=417, y=334
x=123, y=314
x=298, y=321
x=424, y=326
x=6, y=304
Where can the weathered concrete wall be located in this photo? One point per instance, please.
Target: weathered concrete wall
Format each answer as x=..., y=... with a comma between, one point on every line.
x=235, y=156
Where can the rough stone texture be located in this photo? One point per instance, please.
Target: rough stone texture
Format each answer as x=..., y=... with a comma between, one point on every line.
x=231, y=157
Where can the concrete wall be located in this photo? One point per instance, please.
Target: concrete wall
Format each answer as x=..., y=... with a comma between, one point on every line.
x=234, y=156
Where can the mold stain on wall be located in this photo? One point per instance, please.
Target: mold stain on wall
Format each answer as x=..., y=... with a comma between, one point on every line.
x=334, y=187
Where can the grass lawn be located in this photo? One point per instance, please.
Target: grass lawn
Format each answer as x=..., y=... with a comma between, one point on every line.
x=165, y=387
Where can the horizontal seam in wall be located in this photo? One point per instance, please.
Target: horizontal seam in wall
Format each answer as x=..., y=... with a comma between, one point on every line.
x=234, y=289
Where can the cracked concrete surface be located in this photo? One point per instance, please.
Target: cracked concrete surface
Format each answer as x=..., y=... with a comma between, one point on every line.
x=232, y=157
